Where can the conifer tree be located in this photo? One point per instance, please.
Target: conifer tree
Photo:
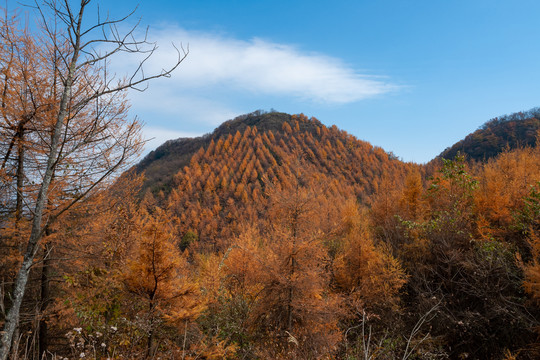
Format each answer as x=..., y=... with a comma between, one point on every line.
x=158, y=276
x=86, y=135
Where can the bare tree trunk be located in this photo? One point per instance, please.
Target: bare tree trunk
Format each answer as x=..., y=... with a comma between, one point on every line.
x=12, y=318
x=18, y=215
x=43, y=342
x=20, y=175
x=15, y=344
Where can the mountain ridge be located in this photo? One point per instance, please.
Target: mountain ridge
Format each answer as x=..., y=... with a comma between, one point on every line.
x=161, y=164
x=496, y=135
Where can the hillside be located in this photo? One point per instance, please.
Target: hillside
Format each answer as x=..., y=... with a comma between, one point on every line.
x=275, y=237
x=332, y=150
x=161, y=164
x=221, y=178
x=508, y=131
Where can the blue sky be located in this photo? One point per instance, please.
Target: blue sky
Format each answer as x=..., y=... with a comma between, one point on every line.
x=410, y=76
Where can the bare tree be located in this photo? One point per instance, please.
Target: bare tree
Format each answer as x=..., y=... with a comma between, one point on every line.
x=78, y=132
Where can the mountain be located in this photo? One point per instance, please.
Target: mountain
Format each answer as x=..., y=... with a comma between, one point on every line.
x=326, y=147
x=161, y=164
x=211, y=183
x=498, y=134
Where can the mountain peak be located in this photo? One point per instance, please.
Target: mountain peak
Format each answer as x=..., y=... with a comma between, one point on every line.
x=266, y=121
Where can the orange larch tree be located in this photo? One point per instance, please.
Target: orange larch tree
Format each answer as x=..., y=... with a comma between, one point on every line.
x=158, y=276
x=86, y=136
x=294, y=307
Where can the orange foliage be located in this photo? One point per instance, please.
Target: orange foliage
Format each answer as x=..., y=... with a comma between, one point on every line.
x=260, y=155
x=504, y=182
x=368, y=274
x=159, y=279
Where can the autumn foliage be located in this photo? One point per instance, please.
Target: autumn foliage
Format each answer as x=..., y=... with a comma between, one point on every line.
x=267, y=245
x=274, y=237
x=225, y=182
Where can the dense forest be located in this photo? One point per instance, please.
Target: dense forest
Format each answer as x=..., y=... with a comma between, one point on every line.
x=274, y=237
x=503, y=132
x=225, y=182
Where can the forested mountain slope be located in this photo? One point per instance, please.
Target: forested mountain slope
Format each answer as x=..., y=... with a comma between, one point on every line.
x=276, y=237
x=220, y=178
x=508, y=131
x=332, y=150
x=161, y=164
x=457, y=240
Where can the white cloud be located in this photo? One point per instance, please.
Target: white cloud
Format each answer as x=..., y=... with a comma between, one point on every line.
x=163, y=100
x=262, y=67
x=156, y=136
x=223, y=77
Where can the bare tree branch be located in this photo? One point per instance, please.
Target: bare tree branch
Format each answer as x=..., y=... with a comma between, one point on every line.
x=76, y=114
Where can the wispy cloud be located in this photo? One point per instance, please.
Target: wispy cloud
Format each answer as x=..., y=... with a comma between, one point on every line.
x=156, y=136
x=263, y=67
x=164, y=100
x=223, y=77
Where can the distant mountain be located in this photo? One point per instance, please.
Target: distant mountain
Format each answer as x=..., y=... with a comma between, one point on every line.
x=509, y=131
x=163, y=163
x=211, y=182
x=309, y=136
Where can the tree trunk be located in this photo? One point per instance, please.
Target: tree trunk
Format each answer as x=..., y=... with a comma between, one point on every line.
x=20, y=177
x=43, y=342
x=15, y=344
x=19, y=138
x=12, y=318
x=150, y=339
x=150, y=344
